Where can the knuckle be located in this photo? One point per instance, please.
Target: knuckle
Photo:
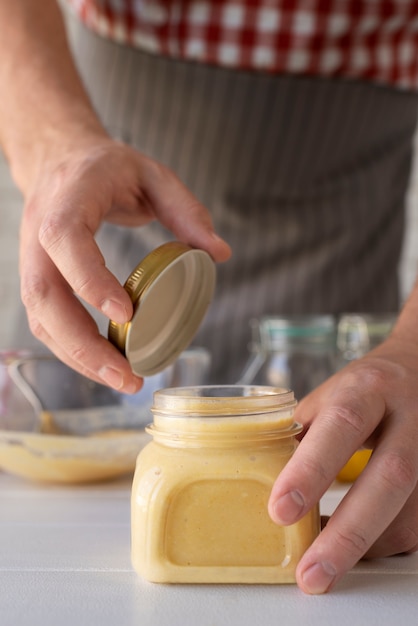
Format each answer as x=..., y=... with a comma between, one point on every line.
x=349, y=419
x=194, y=209
x=80, y=354
x=51, y=231
x=36, y=328
x=34, y=291
x=369, y=374
x=398, y=471
x=400, y=538
x=352, y=541
x=314, y=467
x=84, y=285
x=405, y=540
x=31, y=206
x=372, y=376
x=158, y=171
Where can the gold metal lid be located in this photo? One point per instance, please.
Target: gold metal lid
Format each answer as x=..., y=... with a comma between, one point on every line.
x=171, y=290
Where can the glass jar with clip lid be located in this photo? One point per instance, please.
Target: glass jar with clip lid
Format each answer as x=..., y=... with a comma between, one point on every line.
x=297, y=352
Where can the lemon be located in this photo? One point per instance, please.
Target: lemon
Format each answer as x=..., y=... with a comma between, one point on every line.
x=353, y=468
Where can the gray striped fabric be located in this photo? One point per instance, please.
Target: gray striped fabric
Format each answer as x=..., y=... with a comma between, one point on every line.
x=304, y=177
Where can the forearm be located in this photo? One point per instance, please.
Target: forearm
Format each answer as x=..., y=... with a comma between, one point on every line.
x=43, y=100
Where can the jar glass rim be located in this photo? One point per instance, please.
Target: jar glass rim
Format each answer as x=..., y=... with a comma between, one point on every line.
x=222, y=400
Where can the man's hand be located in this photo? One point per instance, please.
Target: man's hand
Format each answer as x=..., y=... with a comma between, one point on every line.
x=373, y=401
x=76, y=188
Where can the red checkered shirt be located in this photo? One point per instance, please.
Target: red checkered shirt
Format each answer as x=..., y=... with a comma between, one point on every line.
x=365, y=39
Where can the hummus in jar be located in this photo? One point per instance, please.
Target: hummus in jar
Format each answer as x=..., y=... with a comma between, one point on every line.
x=201, y=488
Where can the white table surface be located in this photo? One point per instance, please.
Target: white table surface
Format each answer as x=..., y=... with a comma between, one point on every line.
x=64, y=560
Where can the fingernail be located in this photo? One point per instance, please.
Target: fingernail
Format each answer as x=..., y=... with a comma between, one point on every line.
x=216, y=237
x=115, y=379
x=111, y=377
x=319, y=577
x=218, y=240
x=115, y=311
x=288, y=508
x=134, y=386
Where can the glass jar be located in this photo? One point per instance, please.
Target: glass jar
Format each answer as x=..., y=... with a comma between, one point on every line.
x=357, y=334
x=297, y=352
x=201, y=488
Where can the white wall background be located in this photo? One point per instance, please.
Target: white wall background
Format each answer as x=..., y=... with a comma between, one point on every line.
x=10, y=212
